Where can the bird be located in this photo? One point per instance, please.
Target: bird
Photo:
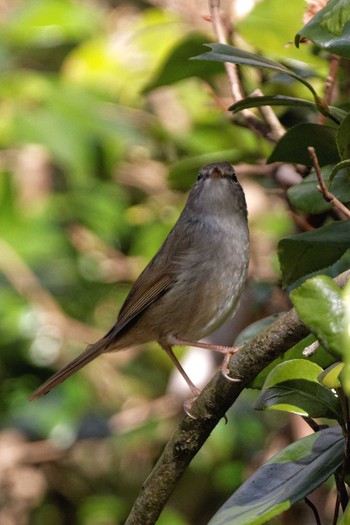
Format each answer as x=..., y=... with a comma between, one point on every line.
x=191, y=285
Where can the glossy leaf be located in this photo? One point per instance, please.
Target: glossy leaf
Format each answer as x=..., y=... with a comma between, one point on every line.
x=285, y=479
x=293, y=387
x=329, y=28
x=320, y=305
x=281, y=100
x=337, y=168
x=308, y=252
x=345, y=375
x=226, y=53
x=320, y=357
x=292, y=147
x=330, y=377
x=307, y=198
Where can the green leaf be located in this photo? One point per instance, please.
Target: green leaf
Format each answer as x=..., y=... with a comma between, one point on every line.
x=292, y=369
x=345, y=375
x=320, y=306
x=178, y=66
x=308, y=252
x=300, y=397
x=226, y=53
x=307, y=198
x=338, y=167
x=329, y=28
x=281, y=100
x=335, y=15
x=285, y=479
x=292, y=147
x=321, y=357
x=330, y=377
x=293, y=386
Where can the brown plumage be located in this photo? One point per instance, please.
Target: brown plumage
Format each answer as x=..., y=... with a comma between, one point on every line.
x=192, y=284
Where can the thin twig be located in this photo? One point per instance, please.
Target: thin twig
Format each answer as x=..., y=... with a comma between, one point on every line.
x=322, y=188
x=330, y=83
x=341, y=490
x=232, y=73
x=312, y=424
x=336, y=511
x=215, y=400
x=314, y=510
x=231, y=69
x=277, y=130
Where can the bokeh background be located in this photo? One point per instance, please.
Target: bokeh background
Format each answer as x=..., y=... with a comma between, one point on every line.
x=104, y=123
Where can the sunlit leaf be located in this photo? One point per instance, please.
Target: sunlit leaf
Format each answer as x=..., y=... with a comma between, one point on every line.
x=293, y=386
x=345, y=375
x=330, y=377
x=320, y=305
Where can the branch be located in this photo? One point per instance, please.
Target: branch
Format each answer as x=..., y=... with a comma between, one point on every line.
x=252, y=122
x=212, y=405
x=327, y=195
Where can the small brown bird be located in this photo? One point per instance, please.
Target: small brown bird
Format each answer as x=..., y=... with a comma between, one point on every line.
x=191, y=285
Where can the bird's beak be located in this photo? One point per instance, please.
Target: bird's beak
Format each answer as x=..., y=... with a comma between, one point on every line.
x=216, y=173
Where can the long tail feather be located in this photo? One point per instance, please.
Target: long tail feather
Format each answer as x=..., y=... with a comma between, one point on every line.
x=91, y=352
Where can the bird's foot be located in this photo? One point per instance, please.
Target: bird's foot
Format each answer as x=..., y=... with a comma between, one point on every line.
x=187, y=406
x=224, y=367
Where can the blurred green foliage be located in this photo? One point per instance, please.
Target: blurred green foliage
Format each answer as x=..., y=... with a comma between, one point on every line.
x=104, y=122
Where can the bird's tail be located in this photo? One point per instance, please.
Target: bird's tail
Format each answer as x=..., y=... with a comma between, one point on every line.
x=91, y=352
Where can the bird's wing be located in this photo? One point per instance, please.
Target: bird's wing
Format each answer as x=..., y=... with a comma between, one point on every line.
x=142, y=294
x=153, y=282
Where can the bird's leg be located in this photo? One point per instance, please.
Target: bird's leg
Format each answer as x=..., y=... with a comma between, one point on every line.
x=208, y=346
x=195, y=390
x=227, y=350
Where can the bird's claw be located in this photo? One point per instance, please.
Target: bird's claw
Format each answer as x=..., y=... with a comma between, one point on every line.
x=188, y=405
x=225, y=370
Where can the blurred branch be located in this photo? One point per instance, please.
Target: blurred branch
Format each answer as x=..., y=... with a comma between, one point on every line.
x=50, y=312
x=135, y=417
x=114, y=265
x=231, y=69
x=215, y=400
x=28, y=285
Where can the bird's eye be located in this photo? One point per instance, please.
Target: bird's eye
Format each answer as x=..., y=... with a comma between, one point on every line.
x=233, y=176
x=200, y=176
